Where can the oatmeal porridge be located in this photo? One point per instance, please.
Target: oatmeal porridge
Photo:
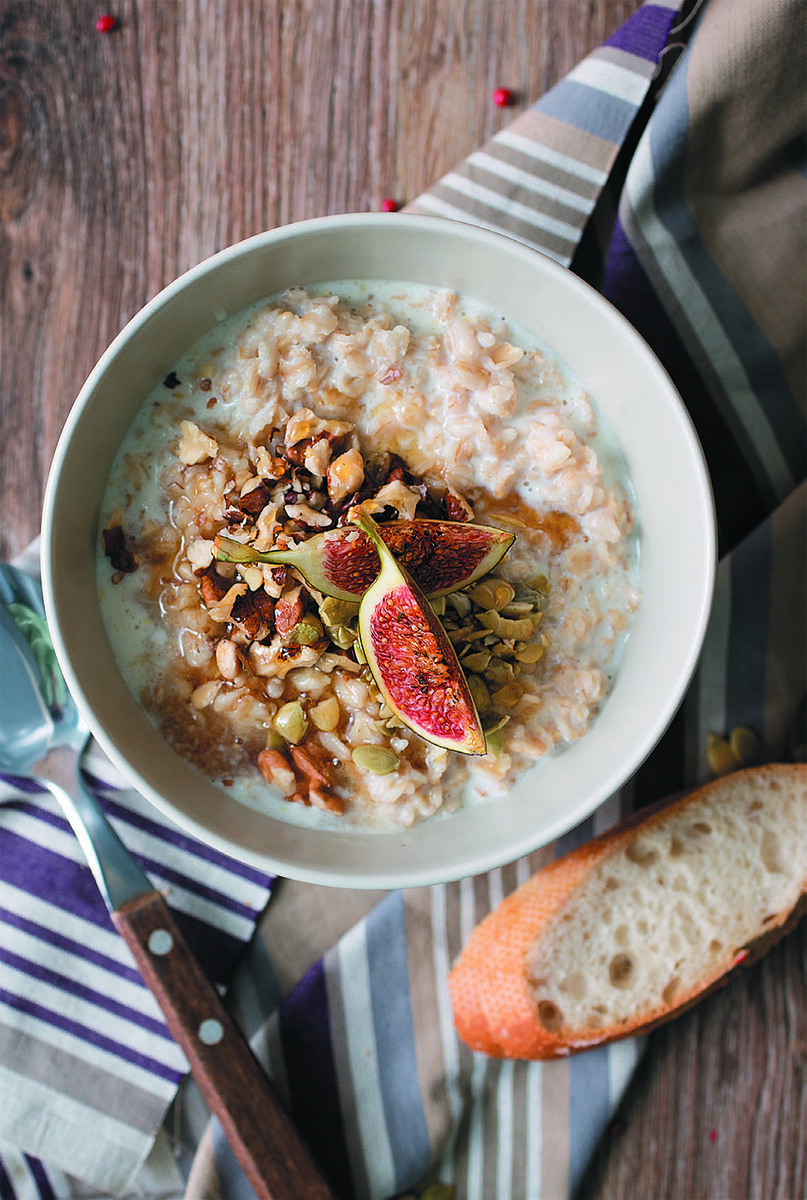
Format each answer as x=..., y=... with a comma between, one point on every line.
x=424, y=409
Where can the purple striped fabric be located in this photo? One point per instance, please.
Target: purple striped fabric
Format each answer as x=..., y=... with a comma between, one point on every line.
x=644, y=32
x=60, y=942
x=70, y=993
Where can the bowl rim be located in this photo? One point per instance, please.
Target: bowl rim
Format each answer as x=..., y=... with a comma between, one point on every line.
x=410, y=874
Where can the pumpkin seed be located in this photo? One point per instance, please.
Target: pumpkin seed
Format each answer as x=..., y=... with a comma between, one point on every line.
x=460, y=603
x=492, y=593
x=529, y=652
x=291, y=721
x=438, y=605
x=719, y=755
x=495, y=742
x=504, y=649
x=745, y=746
x=517, y=608
x=509, y=695
x=337, y=612
x=477, y=661
x=342, y=636
x=500, y=671
x=480, y=693
x=525, y=594
x=468, y=633
x=274, y=741
x=378, y=759
x=306, y=632
x=507, y=627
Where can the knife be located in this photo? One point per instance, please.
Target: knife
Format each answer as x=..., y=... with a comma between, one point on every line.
x=275, y=1160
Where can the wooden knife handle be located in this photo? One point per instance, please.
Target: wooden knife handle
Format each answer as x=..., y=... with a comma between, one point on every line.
x=266, y=1144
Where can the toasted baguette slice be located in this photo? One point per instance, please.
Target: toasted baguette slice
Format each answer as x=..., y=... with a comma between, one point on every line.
x=630, y=929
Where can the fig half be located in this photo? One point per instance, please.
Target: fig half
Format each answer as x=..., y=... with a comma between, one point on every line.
x=412, y=660
x=442, y=556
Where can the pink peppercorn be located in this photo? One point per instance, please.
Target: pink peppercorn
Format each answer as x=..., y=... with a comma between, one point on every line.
x=502, y=97
x=106, y=23
x=712, y=1135
x=389, y=205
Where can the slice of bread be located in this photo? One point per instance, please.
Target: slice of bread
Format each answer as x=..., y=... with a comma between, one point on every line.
x=635, y=926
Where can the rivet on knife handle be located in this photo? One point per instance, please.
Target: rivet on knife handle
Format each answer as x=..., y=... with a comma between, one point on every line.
x=274, y=1159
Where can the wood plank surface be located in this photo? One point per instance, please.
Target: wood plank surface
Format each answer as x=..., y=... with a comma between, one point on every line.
x=127, y=157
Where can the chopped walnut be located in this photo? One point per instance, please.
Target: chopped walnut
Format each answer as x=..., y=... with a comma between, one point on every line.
x=320, y=798
x=253, y=612
x=306, y=424
x=317, y=456
x=194, y=445
x=305, y=781
x=250, y=505
x=311, y=761
x=308, y=516
x=213, y=587
x=200, y=553
x=398, y=495
x=274, y=660
x=268, y=465
x=221, y=609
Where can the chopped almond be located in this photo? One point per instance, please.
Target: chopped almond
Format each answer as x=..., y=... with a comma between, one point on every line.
x=288, y=611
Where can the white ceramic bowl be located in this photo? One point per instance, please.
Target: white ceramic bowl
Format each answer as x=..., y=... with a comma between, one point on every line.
x=676, y=527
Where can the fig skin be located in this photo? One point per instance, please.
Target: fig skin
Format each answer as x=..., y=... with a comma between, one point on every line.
x=450, y=554
x=411, y=658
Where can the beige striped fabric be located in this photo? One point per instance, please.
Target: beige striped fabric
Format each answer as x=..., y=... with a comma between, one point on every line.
x=539, y=179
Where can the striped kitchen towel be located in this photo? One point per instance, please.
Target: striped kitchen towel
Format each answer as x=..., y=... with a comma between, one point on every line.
x=88, y=1068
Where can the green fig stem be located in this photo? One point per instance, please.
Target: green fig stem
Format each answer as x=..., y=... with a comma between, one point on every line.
x=359, y=517
x=227, y=549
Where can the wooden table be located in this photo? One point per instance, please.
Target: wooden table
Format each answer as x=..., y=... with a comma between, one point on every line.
x=127, y=157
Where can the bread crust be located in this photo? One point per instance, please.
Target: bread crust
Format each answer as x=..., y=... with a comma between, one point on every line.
x=494, y=1009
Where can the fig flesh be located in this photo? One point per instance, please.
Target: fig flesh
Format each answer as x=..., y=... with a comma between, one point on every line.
x=411, y=658
x=442, y=556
